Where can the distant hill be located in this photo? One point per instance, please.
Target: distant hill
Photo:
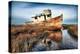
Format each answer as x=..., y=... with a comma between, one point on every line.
x=18, y=21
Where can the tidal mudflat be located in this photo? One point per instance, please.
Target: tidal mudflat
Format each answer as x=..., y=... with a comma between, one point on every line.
x=30, y=38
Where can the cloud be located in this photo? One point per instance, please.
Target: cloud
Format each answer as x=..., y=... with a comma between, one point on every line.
x=70, y=21
x=26, y=10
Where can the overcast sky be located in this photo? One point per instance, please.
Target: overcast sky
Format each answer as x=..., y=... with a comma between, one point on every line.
x=23, y=11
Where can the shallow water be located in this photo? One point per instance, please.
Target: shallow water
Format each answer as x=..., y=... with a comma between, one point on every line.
x=67, y=43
